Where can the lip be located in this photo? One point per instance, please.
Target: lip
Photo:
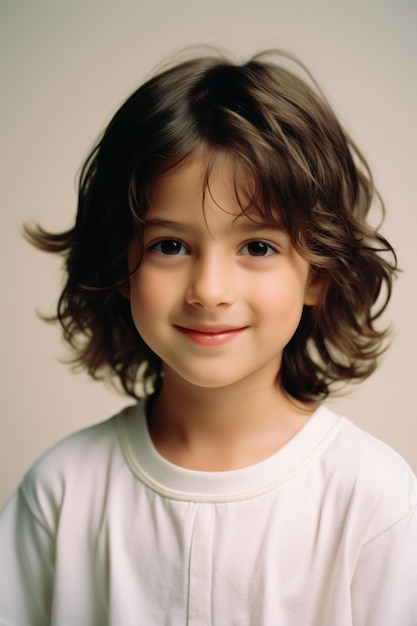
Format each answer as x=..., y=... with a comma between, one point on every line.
x=210, y=335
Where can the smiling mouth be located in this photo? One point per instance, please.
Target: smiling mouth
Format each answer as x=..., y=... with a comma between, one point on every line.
x=214, y=336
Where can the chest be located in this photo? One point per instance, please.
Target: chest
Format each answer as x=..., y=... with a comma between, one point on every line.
x=267, y=560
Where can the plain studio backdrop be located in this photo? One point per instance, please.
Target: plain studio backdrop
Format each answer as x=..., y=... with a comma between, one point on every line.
x=67, y=66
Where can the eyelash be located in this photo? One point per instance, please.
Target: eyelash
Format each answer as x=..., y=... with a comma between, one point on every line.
x=157, y=247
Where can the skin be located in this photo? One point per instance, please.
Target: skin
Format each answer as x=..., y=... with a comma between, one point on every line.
x=217, y=297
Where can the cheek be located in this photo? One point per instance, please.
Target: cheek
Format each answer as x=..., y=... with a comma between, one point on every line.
x=282, y=300
x=143, y=300
x=150, y=296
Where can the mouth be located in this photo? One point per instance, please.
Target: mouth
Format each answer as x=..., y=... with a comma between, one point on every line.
x=210, y=335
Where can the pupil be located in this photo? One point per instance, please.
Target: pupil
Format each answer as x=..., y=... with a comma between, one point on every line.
x=257, y=248
x=170, y=247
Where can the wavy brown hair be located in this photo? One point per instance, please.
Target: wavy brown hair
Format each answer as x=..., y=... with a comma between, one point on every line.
x=304, y=173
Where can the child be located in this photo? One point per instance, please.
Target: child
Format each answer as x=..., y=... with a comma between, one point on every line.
x=221, y=265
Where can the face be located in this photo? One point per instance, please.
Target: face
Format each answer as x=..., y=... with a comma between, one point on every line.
x=217, y=296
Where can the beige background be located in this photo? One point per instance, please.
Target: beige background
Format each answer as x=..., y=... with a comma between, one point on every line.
x=65, y=69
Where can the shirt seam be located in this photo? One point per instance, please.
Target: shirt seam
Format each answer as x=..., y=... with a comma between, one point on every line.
x=390, y=527
x=32, y=512
x=221, y=499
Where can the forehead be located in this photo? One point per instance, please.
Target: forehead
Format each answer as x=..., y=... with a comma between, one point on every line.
x=195, y=177
x=183, y=198
x=220, y=183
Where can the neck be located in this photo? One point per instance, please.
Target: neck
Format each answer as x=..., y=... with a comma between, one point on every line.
x=224, y=428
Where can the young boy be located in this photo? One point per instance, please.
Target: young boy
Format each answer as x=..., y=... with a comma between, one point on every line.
x=221, y=263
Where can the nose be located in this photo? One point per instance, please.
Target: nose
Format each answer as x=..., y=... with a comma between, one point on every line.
x=212, y=283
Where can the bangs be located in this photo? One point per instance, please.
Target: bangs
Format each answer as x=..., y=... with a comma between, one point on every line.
x=253, y=193
x=263, y=185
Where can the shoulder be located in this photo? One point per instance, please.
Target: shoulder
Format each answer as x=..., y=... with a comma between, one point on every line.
x=367, y=454
x=374, y=478
x=74, y=469
x=79, y=447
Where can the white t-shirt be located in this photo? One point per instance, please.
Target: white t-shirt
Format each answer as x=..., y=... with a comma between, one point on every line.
x=103, y=530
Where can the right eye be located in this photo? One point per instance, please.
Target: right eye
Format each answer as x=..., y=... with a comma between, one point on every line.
x=169, y=247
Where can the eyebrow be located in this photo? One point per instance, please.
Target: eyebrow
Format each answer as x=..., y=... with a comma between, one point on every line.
x=250, y=227
x=245, y=227
x=167, y=224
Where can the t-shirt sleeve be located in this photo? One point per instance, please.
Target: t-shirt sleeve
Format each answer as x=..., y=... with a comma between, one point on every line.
x=26, y=564
x=384, y=586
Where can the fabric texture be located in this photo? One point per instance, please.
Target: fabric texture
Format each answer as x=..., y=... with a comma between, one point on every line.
x=103, y=530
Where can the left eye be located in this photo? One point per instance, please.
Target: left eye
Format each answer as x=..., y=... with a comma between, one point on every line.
x=258, y=248
x=169, y=247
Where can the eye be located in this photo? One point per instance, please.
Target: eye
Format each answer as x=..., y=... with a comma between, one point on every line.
x=258, y=247
x=169, y=247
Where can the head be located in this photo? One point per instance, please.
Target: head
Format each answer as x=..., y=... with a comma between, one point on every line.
x=292, y=165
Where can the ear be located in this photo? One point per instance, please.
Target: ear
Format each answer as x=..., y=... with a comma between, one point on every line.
x=314, y=289
x=132, y=255
x=124, y=289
